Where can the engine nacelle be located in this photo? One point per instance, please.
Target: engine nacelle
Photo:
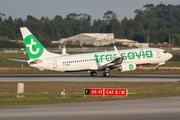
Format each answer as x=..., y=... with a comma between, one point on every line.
x=127, y=67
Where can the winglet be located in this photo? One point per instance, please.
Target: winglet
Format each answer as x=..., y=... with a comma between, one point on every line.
x=117, y=52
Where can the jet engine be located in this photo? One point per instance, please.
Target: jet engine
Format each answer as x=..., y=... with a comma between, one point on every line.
x=127, y=67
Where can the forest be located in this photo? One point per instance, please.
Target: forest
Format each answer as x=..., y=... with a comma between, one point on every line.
x=151, y=24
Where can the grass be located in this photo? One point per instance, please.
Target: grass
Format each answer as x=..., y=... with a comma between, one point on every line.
x=7, y=63
x=49, y=92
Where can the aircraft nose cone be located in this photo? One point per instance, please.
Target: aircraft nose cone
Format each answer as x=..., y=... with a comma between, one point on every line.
x=170, y=55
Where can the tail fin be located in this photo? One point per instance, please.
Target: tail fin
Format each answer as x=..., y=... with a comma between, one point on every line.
x=34, y=48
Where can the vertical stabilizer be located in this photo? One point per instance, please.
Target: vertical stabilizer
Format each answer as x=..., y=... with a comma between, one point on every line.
x=34, y=48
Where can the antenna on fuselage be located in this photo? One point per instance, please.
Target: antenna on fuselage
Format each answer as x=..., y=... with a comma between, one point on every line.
x=64, y=50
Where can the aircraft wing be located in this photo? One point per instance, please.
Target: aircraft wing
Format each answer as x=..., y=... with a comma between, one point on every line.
x=113, y=64
x=18, y=60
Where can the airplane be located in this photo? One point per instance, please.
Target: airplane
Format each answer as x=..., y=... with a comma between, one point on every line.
x=122, y=60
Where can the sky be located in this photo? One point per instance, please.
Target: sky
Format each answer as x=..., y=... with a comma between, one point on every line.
x=94, y=8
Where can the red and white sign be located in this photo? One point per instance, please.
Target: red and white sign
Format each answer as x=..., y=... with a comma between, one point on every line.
x=96, y=92
x=105, y=92
x=115, y=92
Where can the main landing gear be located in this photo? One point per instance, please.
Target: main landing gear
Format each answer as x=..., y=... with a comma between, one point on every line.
x=106, y=74
x=93, y=74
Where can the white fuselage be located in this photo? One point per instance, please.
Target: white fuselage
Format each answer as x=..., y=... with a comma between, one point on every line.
x=91, y=61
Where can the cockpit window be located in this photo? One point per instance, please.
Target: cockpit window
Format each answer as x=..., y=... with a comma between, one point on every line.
x=164, y=52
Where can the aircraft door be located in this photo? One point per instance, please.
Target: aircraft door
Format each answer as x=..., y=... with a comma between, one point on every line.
x=158, y=54
x=55, y=64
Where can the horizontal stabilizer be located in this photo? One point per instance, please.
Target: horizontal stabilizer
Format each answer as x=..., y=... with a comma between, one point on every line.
x=18, y=60
x=36, y=61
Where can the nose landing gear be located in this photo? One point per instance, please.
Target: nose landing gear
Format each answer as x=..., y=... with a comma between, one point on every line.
x=157, y=67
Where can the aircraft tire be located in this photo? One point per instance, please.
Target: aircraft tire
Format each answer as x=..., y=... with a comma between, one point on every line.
x=157, y=68
x=106, y=74
x=93, y=74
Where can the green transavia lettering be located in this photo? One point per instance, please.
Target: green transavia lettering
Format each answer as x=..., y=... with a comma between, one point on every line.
x=129, y=55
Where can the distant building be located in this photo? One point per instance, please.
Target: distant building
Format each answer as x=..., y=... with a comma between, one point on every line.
x=97, y=36
x=100, y=39
x=125, y=41
x=103, y=42
x=131, y=43
x=97, y=39
x=166, y=44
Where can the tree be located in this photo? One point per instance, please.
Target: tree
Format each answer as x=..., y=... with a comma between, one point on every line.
x=139, y=12
x=109, y=15
x=148, y=7
x=125, y=27
x=58, y=19
x=153, y=21
x=99, y=26
x=161, y=24
x=8, y=28
x=1, y=15
x=18, y=23
x=115, y=27
x=177, y=38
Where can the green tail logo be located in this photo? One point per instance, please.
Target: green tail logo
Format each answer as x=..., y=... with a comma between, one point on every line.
x=33, y=47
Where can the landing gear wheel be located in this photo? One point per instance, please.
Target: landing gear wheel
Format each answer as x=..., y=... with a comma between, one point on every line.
x=93, y=74
x=157, y=68
x=106, y=74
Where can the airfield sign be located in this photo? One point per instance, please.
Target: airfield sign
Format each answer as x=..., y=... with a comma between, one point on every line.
x=105, y=92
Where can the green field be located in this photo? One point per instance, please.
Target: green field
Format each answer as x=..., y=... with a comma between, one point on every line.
x=50, y=92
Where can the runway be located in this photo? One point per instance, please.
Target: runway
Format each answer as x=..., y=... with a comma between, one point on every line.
x=166, y=108
x=88, y=78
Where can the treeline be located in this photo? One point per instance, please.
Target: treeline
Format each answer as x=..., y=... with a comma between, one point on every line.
x=152, y=24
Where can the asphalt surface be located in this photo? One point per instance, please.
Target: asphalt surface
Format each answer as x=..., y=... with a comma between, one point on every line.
x=166, y=108
x=88, y=78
